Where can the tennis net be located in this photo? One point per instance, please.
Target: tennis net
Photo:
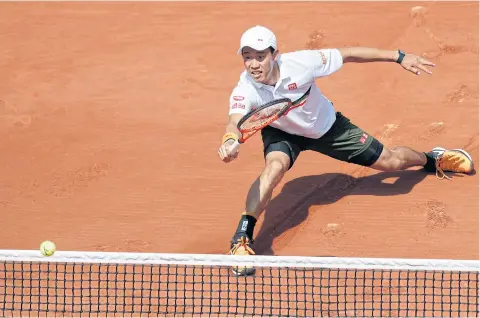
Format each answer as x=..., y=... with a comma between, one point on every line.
x=144, y=284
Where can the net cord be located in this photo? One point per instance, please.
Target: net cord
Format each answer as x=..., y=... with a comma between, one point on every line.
x=231, y=260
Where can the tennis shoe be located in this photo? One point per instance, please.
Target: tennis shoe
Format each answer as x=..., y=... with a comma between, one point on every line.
x=242, y=248
x=453, y=160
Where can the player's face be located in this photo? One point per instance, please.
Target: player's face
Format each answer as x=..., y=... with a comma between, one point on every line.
x=259, y=64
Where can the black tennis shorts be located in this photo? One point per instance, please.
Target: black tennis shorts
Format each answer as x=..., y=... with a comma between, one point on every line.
x=344, y=141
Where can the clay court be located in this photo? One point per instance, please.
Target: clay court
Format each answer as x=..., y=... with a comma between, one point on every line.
x=111, y=115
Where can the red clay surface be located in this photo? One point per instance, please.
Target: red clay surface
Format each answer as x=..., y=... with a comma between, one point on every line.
x=111, y=115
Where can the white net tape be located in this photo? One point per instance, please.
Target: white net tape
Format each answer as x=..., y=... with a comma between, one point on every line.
x=230, y=260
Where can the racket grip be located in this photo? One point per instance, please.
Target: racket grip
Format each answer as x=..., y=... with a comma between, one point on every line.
x=235, y=145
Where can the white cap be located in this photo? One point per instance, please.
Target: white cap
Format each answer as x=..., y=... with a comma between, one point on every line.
x=258, y=38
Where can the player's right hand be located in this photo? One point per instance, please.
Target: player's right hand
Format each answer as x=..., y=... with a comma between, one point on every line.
x=226, y=151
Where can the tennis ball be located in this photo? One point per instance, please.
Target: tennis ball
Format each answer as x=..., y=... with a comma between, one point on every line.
x=48, y=248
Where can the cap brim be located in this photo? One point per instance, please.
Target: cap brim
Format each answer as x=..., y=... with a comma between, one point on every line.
x=256, y=48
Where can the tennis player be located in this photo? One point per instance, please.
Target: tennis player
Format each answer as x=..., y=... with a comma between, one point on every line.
x=314, y=125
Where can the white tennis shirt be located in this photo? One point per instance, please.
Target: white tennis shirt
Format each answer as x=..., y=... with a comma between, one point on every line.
x=298, y=71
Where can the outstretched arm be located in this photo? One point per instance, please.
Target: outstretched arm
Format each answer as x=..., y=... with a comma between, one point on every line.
x=410, y=62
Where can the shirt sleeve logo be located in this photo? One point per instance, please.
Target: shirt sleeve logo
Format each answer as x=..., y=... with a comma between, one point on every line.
x=292, y=86
x=324, y=58
x=238, y=105
x=238, y=98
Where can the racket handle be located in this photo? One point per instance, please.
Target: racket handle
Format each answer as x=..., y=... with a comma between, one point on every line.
x=235, y=145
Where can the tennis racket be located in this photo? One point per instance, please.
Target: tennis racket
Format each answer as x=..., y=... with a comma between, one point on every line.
x=261, y=117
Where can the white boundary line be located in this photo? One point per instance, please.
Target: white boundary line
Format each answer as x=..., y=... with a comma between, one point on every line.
x=230, y=260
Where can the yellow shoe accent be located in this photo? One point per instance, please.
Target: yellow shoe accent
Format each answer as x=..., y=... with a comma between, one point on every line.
x=455, y=160
x=242, y=248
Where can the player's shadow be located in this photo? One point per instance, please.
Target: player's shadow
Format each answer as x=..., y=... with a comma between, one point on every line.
x=290, y=207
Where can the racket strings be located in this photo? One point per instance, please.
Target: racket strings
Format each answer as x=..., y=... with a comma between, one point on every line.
x=262, y=117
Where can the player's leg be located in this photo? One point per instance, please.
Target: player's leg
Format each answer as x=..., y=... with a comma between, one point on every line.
x=438, y=160
x=347, y=142
x=399, y=158
x=280, y=153
x=276, y=165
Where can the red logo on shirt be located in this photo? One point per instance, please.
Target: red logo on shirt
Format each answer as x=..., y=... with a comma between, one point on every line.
x=238, y=98
x=292, y=86
x=364, y=138
x=238, y=105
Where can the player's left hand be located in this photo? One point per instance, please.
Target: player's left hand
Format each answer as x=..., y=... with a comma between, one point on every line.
x=415, y=64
